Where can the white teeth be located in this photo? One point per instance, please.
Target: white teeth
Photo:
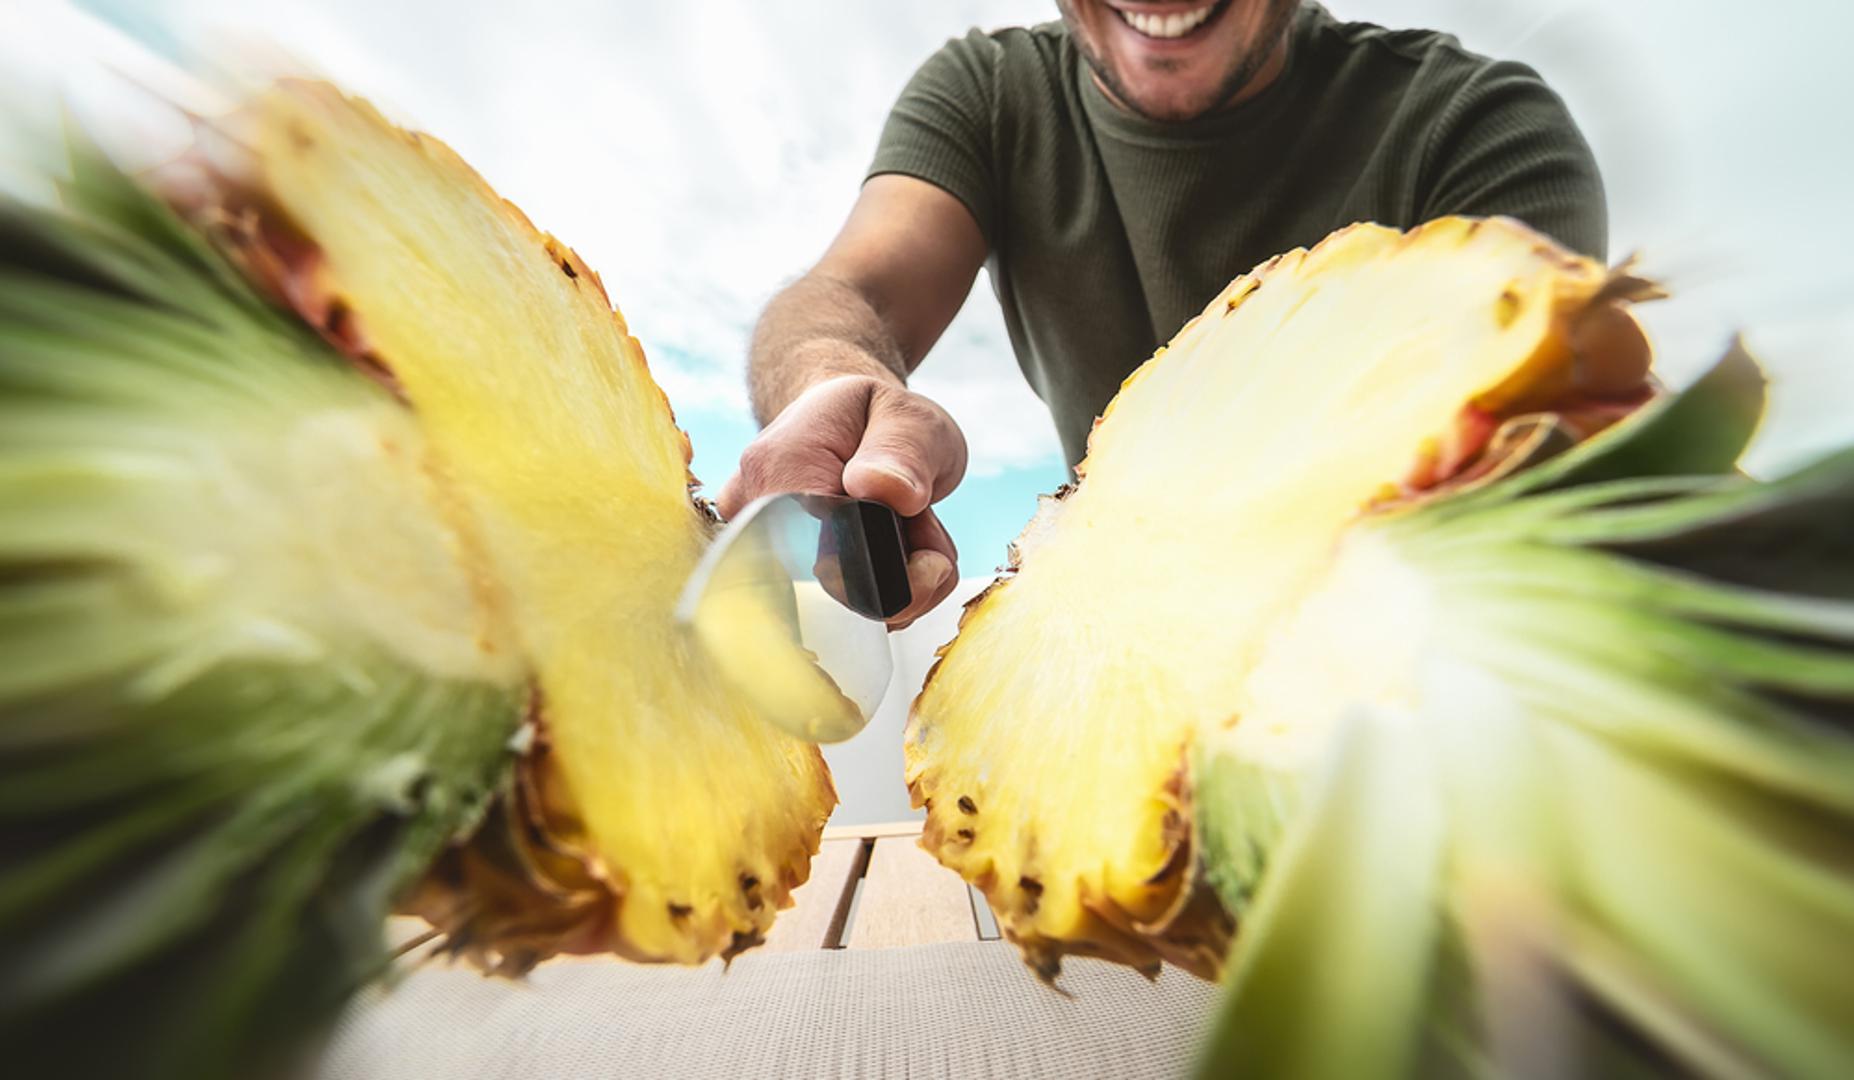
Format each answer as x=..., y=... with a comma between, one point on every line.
x=1174, y=25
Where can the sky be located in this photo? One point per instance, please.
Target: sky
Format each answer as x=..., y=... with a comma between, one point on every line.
x=700, y=154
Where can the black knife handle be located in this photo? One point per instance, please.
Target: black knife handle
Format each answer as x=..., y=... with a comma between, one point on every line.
x=874, y=558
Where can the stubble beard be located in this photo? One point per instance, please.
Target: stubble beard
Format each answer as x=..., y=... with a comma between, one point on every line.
x=1280, y=15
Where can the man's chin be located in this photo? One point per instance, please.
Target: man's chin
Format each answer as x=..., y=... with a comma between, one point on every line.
x=1187, y=77
x=1168, y=110
x=1166, y=103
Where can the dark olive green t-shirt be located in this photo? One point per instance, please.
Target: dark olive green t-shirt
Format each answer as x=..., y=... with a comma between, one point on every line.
x=1107, y=231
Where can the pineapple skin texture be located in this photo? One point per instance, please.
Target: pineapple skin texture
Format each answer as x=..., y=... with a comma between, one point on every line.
x=653, y=816
x=1367, y=373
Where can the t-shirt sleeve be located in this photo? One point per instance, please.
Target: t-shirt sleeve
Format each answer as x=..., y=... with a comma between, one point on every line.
x=1506, y=144
x=940, y=129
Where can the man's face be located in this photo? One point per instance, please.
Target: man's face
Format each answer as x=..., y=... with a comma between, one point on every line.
x=1176, y=59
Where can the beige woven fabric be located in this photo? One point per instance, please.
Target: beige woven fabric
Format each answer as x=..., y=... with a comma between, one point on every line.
x=967, y=1010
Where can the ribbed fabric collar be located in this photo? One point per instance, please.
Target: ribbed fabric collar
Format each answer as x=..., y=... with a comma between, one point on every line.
x=1118, y=123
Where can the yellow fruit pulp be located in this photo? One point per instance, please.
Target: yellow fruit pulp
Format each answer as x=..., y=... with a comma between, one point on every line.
x=572, y=479
x=1050, y=743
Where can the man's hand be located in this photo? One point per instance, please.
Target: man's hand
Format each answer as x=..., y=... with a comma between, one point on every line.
x=868, y=438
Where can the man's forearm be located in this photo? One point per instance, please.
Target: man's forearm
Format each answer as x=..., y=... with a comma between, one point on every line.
x=817, y=328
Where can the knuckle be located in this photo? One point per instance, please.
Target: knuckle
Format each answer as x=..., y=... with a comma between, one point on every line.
x=839, y=395
x=756, y=461
x=934, y=419
x=783, y=463
x=824, y=420
x=905, y=414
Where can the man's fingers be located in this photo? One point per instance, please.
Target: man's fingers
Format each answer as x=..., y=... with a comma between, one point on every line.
x=933, y=567
x=931, y=578
x=925, y=533
x=777, y=465
x=731, y=498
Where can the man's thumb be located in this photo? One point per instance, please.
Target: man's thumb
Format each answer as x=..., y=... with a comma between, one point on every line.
x=902, y=459
x=888, y=478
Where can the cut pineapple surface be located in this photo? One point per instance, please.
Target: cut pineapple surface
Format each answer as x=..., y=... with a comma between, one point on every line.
x=1468, y=676
x=693, y=816
x=1050, y=743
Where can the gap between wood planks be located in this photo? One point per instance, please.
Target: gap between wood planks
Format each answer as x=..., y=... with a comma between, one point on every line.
x=872, y=887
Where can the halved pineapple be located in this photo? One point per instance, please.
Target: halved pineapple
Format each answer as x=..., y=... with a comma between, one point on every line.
x=1392, y=620
x=688, y=819
x=340, y=530
x=1050, y=744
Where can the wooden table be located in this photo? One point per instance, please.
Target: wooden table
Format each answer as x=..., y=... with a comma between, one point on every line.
x=873, y=887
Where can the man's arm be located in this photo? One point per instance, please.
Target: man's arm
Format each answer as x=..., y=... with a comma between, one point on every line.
x=829, y=362
x=880, y=297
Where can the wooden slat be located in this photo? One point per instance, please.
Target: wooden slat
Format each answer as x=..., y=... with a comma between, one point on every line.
x=818, y=902
x=909, y=899
x=981, y=910
x=886, y=828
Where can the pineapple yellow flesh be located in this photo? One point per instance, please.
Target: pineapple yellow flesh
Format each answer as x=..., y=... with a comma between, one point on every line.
x=1049, y=744
x=571, y=475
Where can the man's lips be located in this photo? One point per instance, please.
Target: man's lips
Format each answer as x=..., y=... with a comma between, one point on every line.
x=1167, y=23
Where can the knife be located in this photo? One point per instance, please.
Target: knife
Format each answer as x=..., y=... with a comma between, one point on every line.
x=788, y=606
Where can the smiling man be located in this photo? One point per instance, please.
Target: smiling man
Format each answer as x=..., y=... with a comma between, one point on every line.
x=1114, y=170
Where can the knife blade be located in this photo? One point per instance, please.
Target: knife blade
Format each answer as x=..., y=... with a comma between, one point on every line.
x=788, y=606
